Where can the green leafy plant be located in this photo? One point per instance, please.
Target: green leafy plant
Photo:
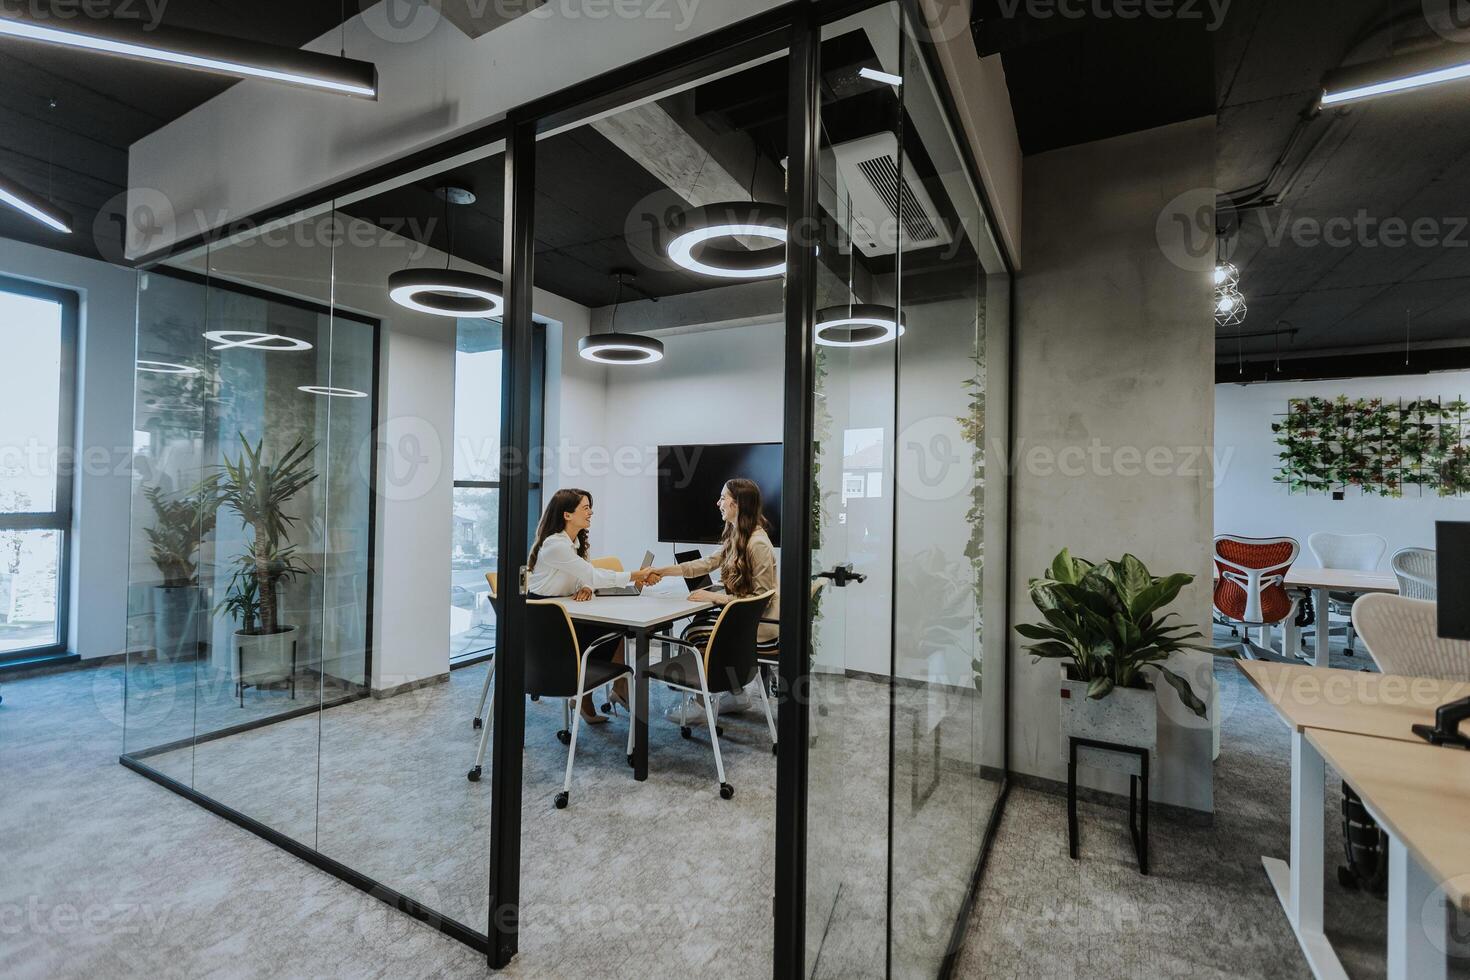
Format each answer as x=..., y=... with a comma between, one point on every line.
x=1103, y=620
x=258, y=492
x=179, y=527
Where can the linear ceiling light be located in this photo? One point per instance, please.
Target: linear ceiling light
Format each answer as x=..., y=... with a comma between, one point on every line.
x=202, y=52
x=864, y=325
x=875, y=75
x=1403, y=73
x=695, y=250
x=33, y=207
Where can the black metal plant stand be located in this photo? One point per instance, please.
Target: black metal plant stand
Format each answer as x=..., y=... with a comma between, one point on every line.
x=1137, y=814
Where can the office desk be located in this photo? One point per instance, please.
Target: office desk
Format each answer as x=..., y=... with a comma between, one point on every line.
x=1419, y=794
x=1318, y=705
x=641, y=615
x=1323, y=581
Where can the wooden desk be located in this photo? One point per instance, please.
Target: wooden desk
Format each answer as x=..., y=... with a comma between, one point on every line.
x=1323, y=581
x=1322, y=706
x=642, y=615
x=1360, y=702
x=1419, y=794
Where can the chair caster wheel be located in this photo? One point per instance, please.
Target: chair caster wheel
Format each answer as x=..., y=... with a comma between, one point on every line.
x=561, y=800
x=726, y=791
x=477, y=724
x=773, y=748
x=607, y=707
x=473, y=775
x=535, y=697
x=686, y=731
x=564, y=737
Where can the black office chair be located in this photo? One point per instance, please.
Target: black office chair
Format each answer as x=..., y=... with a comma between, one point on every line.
x=556, y=667
x=726, y=662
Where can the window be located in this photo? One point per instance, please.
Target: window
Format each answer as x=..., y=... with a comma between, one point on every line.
x=476, y=541
x=38, y=329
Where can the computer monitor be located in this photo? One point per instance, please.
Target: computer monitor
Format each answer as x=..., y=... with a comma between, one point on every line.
x=1453, y=588
x=690, y=478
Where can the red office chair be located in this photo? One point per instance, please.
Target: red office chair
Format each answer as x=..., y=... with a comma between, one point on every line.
x=1251, y=589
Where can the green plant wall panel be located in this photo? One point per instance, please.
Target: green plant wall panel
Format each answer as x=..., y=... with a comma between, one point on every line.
x=1382, y=448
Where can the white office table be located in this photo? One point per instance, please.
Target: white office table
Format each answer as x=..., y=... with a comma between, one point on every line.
x=1323, y=581
x=1376, y=710
x=643, y=616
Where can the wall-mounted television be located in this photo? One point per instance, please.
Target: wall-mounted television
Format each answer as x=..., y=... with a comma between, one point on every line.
x=690, y=479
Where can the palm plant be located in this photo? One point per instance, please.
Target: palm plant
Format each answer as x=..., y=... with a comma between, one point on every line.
x=179, y=526
x=1102, y=619
x=258, y=491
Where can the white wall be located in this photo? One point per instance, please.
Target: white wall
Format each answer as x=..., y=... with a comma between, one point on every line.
x=1248, y=502
x=104, y=437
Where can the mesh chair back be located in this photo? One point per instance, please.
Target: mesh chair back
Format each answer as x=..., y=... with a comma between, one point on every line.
x=1417, y=570
x=1358, y=552
x=1251, y=588
x=729, y=656
x=1402, y=636
x=553, y=658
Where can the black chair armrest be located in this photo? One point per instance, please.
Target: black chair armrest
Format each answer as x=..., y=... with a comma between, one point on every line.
x=674, y=639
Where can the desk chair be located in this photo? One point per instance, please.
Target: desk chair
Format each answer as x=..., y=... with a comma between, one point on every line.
x=1417, y=571
x=725, y=663
x=1402, y=637
x=1251, y=589
x=610, y=563
x=1358, y=552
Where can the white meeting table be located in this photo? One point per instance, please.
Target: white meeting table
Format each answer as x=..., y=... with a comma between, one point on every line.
x=642, y=615
x=1321, y=582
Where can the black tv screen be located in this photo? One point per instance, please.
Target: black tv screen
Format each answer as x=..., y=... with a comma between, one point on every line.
x=690, y=479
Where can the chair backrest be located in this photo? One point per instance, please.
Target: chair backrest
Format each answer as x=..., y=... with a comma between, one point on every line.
x=553, y=658
x=610, y=563
x=493, y=580
x=1402, y=636
x=729, y=654
x=1251, y=588
x=1417, y=570
x=1358, y=552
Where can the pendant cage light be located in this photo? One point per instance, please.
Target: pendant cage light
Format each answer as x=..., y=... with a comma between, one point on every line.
x=611, y=347
x=448, y=292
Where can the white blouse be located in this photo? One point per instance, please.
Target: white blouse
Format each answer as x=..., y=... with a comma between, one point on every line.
x=560, y=571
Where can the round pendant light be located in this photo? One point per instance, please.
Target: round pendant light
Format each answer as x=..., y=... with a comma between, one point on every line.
x=611, y=347
x=165, y=367
x=330, y=392
x=864, y=325
x=1227, y=275
x=254, y=340
x=1230, y=308
x=448, y=292
x=698, y=250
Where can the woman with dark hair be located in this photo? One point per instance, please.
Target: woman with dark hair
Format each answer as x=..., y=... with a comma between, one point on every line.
x=745, y=559
x=559, y=568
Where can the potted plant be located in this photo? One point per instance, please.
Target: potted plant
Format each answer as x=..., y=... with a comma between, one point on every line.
x=1102, y=622
x=258, y=492
x=179, y=528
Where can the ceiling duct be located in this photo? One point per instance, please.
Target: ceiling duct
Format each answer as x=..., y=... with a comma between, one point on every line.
x=870, y=170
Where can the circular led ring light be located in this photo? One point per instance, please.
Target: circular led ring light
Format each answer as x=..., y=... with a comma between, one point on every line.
x=254, y=341
x=331, y=392
x=446, y=292
x=694, y=249
x=620, y=348
x=165, y=367
x=865, y=325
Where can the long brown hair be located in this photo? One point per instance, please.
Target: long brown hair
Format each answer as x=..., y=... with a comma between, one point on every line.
x=736, y=571
x=554, y=521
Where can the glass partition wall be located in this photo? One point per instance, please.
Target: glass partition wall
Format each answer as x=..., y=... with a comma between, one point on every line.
x=321, y=458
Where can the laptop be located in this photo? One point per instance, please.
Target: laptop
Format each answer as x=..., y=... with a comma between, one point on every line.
x=697, y=582
x=630, y=588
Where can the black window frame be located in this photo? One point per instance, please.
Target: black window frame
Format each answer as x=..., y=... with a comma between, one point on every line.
x=61, y=517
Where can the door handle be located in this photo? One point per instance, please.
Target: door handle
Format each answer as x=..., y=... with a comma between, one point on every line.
x=843, y=574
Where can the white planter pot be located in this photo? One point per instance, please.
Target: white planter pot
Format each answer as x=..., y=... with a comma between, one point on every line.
x=265, y=658
x=1127, y=716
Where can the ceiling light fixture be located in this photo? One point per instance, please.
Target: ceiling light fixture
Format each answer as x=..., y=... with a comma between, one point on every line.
x=611, y=347
x=329, y=392
x=695, y=249
x=202, y=52
x=165, y=367
x=1402, y=73
x=253, y=340
x=1230, y=308
x=448, y=292
x=33, y=207
x=880, y=76
x=864, y=325
x=1227, y=276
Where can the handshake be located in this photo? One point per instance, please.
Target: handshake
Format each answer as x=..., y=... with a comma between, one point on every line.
x=646, y=576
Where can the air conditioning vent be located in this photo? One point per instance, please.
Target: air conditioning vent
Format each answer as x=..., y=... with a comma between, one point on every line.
x=869, y=169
